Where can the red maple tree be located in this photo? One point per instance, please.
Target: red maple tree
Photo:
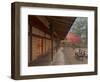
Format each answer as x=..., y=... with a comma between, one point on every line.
x=73, y=38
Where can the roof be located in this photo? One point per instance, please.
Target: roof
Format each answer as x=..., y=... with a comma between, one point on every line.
x=59, y=25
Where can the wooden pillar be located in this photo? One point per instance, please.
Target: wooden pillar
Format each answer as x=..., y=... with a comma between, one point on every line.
x=29, y=43
x=51, y=30
x=52, y=47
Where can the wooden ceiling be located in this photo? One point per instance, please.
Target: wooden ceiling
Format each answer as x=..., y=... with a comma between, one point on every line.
x=60, y=25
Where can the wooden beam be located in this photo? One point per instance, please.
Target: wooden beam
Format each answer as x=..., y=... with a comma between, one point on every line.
x=69, y=20
x=35, y=22
x=38, y=36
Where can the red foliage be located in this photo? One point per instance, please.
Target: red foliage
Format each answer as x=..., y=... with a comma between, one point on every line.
x=73, y=38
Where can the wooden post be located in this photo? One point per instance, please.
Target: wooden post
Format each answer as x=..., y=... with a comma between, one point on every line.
x=51, y=30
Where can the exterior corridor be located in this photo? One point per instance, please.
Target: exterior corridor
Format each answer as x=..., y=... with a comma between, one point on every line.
x=63, y=56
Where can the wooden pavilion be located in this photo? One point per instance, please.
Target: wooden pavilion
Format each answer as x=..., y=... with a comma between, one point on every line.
x=45, y=34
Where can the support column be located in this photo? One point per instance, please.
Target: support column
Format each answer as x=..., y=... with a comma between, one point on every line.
x=51, y=31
